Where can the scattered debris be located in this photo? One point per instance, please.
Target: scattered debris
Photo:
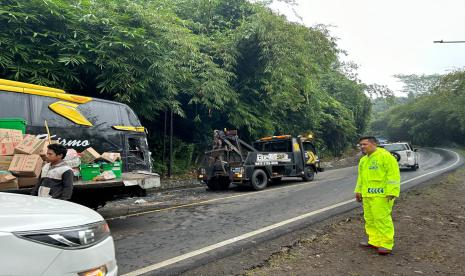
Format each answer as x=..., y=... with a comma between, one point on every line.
x=140, y=201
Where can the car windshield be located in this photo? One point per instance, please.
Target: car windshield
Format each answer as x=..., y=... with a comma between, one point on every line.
x=395, y=147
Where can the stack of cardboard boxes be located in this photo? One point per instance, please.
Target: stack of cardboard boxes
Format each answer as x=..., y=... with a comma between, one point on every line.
x=98, y=167
x=21, y=159
x=8, y=140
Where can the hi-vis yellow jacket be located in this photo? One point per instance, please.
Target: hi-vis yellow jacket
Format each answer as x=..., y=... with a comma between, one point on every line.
x=378, y=175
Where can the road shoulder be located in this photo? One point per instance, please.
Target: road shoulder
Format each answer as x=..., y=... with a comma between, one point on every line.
x=429, y=220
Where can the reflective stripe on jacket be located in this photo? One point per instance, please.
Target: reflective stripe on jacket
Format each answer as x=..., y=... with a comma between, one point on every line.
x=378, y=175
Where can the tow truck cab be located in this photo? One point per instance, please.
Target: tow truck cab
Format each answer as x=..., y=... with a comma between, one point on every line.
x=283, y=156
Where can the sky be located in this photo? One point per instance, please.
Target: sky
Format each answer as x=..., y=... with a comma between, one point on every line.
x=387, y=37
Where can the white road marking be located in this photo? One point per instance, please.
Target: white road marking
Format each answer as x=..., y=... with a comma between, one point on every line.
x=262, y=230
x=448, y=167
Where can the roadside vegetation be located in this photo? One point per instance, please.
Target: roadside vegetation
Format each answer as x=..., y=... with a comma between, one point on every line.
x=219, y=64
x=215, y=63
x=431, y=114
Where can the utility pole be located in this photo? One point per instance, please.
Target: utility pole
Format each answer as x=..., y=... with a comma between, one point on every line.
x=170, y=166
x=164, y=142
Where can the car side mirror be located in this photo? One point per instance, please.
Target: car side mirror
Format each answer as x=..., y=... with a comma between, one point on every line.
x=415, y=150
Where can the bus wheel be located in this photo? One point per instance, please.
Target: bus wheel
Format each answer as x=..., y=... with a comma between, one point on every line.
x=309, y=174
x=259, y=180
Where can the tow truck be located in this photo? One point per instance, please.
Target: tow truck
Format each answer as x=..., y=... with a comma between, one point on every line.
x=231, y=160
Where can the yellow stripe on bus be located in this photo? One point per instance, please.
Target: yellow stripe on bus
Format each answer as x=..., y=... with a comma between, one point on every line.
x=70, y=112
x=130, y=128
x=38, y=90
x=30, y=86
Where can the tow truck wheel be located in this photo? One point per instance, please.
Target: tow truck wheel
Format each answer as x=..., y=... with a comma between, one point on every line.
x=259, y=180
x=218, y=184
x=212, y=184
x=309, y=174
x=223, y=183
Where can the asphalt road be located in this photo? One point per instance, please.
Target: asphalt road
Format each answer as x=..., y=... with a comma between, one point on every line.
x=173, y=240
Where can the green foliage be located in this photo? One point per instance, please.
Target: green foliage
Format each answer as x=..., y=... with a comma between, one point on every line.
x=215, y=63
x=183, y=154
x=379, y=91
x=415, y=85
x=435, y=117
x=380, y=105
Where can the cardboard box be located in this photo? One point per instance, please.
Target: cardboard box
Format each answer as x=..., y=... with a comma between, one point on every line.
x=8, y=181
x=10, y=140
x=7, y=148
x=13, y=135
x=5, y=162
x=30, y=145
x=43, y=151
x=26, y=165
x=89, y=155
x=111, y=156
x=24, y=182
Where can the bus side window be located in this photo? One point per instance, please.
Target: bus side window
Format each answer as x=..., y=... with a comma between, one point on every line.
x=14, y=105
x=101, y=113
x=128, y=116
x=41, y=112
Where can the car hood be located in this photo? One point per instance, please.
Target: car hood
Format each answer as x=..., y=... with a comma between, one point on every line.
x=27, y=213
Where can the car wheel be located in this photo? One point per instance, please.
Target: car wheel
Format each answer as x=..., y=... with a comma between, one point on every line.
x=259, y=180
x=309, y=174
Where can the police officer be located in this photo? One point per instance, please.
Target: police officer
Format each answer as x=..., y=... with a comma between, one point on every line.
x=378, y=184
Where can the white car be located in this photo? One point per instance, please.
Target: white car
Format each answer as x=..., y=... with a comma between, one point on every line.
x=44, y=236
x=406, y=156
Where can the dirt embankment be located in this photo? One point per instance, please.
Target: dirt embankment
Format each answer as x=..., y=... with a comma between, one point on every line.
x=430, y=239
